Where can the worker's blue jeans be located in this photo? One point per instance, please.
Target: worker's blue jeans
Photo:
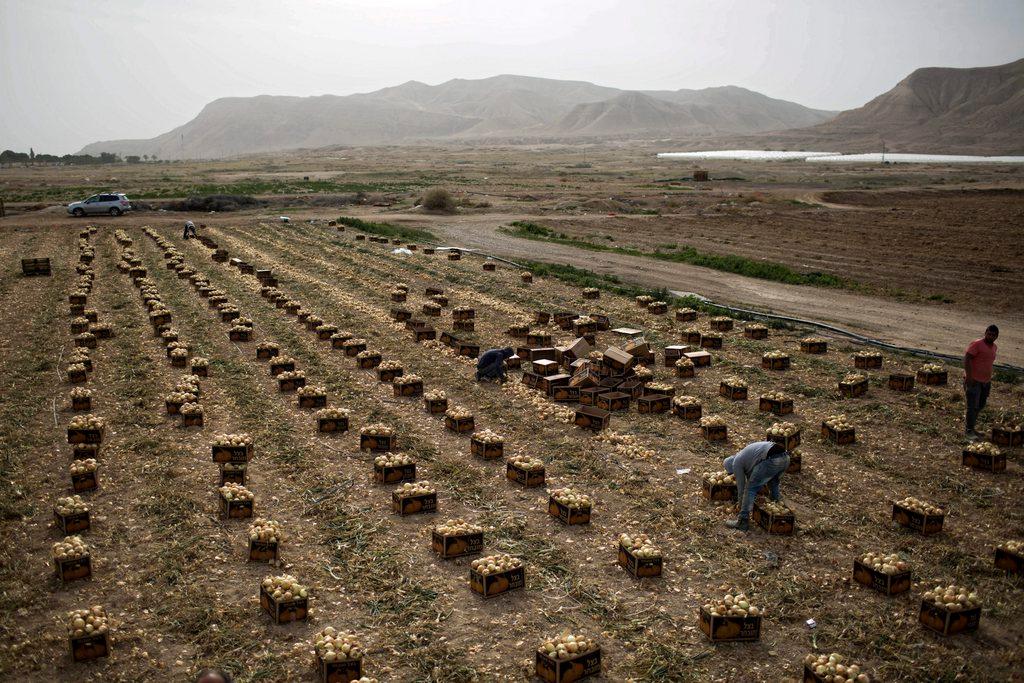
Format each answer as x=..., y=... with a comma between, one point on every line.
x=765, y=472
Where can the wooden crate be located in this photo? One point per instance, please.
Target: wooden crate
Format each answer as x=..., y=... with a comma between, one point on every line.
x=72, y=524
x=730, y=629
x=853, y=389
x=388, y=376
x=530, y=379
x=639, y=568
x=984, y=461
x=369, y=362
x=773, y=524
x=73, y=570
x=653, y=404
x=657, y=308
x=283, y=612
x=568, y=670
x=82, y=403
x=386, y=474
x=424, y=334
x=492, y=585
x=718, y=492
x=844, y=437
x=775, y=363
x=933, y=379
x=403, y=506
x=332, y=425
x=400, y=314
x=549, y=383
x=1010, y=562
x=436, y=406
x=232, y=474
x=719, y=433
x=232, y=454
x=701, y=359
x=691, y=337
x=525, y=478
x=31, y=267
x=263, y=551
x=788, y=442
x=775, y=406
x=564, y=393
x=613, y=401
x=813, y=347
x=408, y=389
x=76, y=436
x=468, y=350
x=240, y=335
x=947, y=623
x=686, y=315
x=376, y=444
x=290, y=384
x=755, y=332
x=916, y=521
x=886, y=584
x=487, y=451
x=566, y=515
x=689, y=413
x=732, y=393
x=867, y=362
x=1006, y=438
x=462, y=425
x=353, y=350
x=313, y=401
x=448, y=546
x=465, y=326
x=708, y=342
x=235, y=509
x=192, y=420
x=89, y=647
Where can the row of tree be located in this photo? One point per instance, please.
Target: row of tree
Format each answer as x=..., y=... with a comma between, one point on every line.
x=9, y=157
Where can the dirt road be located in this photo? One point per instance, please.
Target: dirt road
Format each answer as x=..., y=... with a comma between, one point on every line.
x=929, y=327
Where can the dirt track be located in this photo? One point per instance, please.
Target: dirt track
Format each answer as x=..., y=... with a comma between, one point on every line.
x=908, y=324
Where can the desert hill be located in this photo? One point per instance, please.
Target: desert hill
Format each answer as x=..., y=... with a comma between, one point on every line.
x=501, y=107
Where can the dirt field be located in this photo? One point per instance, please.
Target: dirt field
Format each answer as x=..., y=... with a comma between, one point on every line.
x=174, y=579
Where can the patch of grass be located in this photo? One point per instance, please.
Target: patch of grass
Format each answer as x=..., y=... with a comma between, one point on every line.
x=729, y=263
x=388, y=230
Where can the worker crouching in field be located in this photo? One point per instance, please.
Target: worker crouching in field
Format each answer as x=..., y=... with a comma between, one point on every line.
x=491, y=365
x=759, y=463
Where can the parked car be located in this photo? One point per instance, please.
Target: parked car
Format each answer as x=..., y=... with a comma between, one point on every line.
x=113, y=204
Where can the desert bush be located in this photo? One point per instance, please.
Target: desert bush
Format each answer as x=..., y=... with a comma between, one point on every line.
x=438, y=199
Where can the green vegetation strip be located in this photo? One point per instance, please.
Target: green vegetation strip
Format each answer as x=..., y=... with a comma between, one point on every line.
x=764, y=270
x=388, y=230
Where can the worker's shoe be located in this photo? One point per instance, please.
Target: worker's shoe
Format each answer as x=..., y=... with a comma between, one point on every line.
x=738, y=524
x=972, y=435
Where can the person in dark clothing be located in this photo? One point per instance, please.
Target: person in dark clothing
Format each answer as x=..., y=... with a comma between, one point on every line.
x=491, y=365
x=759, y=463
x=190, y=230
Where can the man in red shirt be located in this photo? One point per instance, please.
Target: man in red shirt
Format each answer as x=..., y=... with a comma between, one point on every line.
x=981, y=354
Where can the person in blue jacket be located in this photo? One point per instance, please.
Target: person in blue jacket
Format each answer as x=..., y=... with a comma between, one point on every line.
x=759, y=463
x=491, y=365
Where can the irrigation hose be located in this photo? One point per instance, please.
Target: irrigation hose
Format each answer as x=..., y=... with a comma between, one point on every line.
x=1015, y=369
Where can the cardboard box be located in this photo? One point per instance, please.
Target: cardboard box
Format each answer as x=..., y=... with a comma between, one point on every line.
x=542, y=353
x=691, y=337
x=425, y=503
x=468, y=350
x=886, y=584
x=775, y=406
x=525, y=478
x=617, y=359
x=564, y=393
x=588, y=396
x=492, y=585
x=730, y=629
x=549, y=383
x=709, y=342
x=773, y=524
x=592, y=417
x=567, y=515
x=448, y=546
x=984, y=461
x=530, y=379
x=925, y=524
x=639, y=568
x=332, y=425
x=77, y=436
x=283, y=612
x=947, y=623
x=263, y=551
x=673, y=353
x=384, y=474
x=568, y=670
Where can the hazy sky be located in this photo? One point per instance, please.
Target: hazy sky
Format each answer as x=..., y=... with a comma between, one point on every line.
x=77, y=71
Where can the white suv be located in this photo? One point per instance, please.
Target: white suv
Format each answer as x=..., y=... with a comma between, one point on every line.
x=114, y=204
